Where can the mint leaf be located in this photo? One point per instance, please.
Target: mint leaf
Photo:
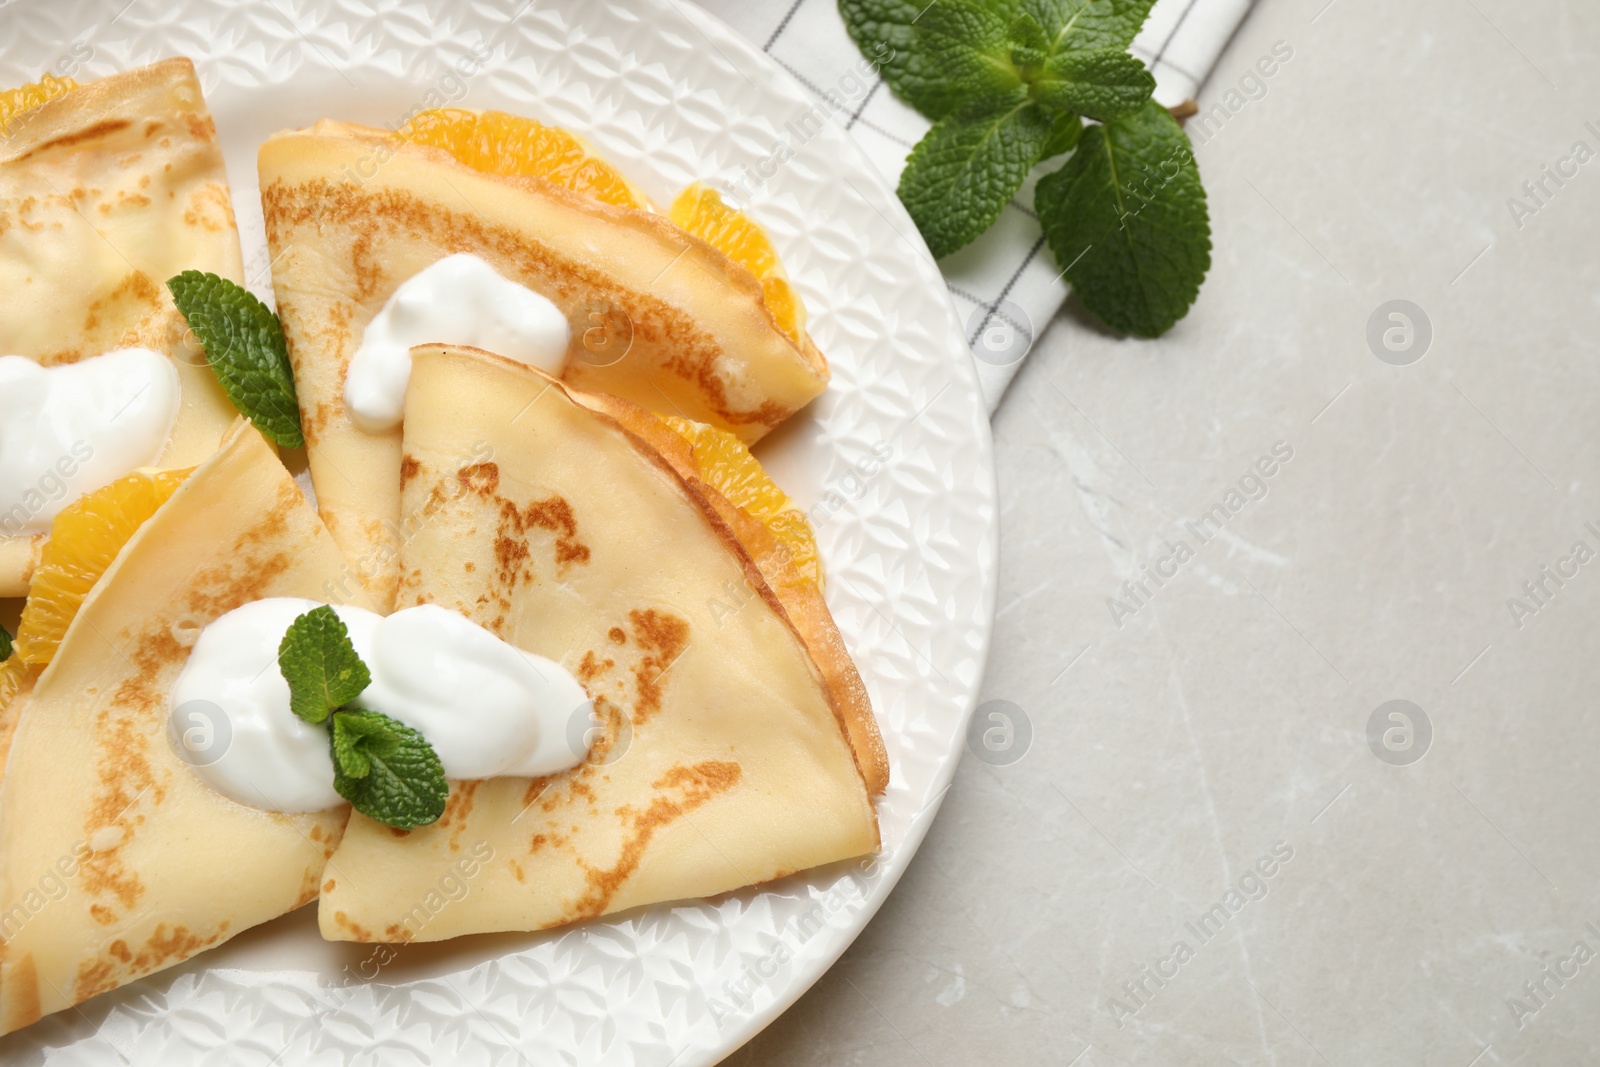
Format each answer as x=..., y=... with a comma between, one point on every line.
x=352, y=734
x=1126, y=217
x=885, y=31
x=963, y=172
x=403, y=785
x=244, y=344
x=967, y=42
x=5, y=644
x=1065, y=130
x=320, y=664
x=1082, y=24
x=935, y=56
x=1029, y=46
x=1102, y=83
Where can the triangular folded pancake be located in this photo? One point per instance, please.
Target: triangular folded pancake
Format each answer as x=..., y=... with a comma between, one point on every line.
x=797, y=595
x=723, y=762
x=351, y=213
x=105, y=193
x=116, y=860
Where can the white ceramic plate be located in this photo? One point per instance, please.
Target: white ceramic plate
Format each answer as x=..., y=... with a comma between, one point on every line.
x=894, y=462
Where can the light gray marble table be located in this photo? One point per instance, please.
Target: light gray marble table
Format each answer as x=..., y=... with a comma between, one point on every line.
x=1219, y=719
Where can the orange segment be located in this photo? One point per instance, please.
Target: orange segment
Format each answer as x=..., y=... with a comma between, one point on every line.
x=84, y=539
x=700, y=210
x=14, y=102
x=498, y=143
x=725, y=464
x=13, y=672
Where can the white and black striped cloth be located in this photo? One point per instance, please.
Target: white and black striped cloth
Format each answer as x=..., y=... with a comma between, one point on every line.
x=1006, y=285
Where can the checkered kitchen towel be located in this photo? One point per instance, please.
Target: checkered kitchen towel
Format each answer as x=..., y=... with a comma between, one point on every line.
x=1006, y=285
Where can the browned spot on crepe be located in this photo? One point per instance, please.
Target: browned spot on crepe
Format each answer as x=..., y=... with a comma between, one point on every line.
x=210, y=209
x=410, y=467
x=135, y=293
x=395, y=932
x=555, y=514
x=513, y=553
x=100, y=129
x=357, y=931
x=664, y=636
x=683, y=789
x=480, y=478
x=308, y=886
x=456, y=810
x=591, y=667
x=119, y=962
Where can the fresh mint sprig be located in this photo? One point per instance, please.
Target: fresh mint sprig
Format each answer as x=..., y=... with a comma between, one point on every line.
x=321, y=665
x=243, y=342
x=961, y=175
x=1136, y=233
x=1008, y=84
x=384, y=768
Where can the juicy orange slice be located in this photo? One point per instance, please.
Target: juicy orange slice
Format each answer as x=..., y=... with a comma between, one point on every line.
x=13, y=672
x=725, y=464
x=498, y=143
x=700, y=210
x=84, y=539
x=14, y=102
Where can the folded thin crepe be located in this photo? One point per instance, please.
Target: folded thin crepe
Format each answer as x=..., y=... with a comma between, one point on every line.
x=105, y=193
x=351, y=213
x=723, y=755
x=116, y=859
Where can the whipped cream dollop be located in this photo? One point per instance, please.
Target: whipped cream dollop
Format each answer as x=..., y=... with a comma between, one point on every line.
x=69, y=429
x=488, y=708
x=460, y=300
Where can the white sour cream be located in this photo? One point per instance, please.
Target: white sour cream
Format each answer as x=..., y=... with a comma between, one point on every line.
x=460, y=300
x=69, y=429
x=488, y=708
